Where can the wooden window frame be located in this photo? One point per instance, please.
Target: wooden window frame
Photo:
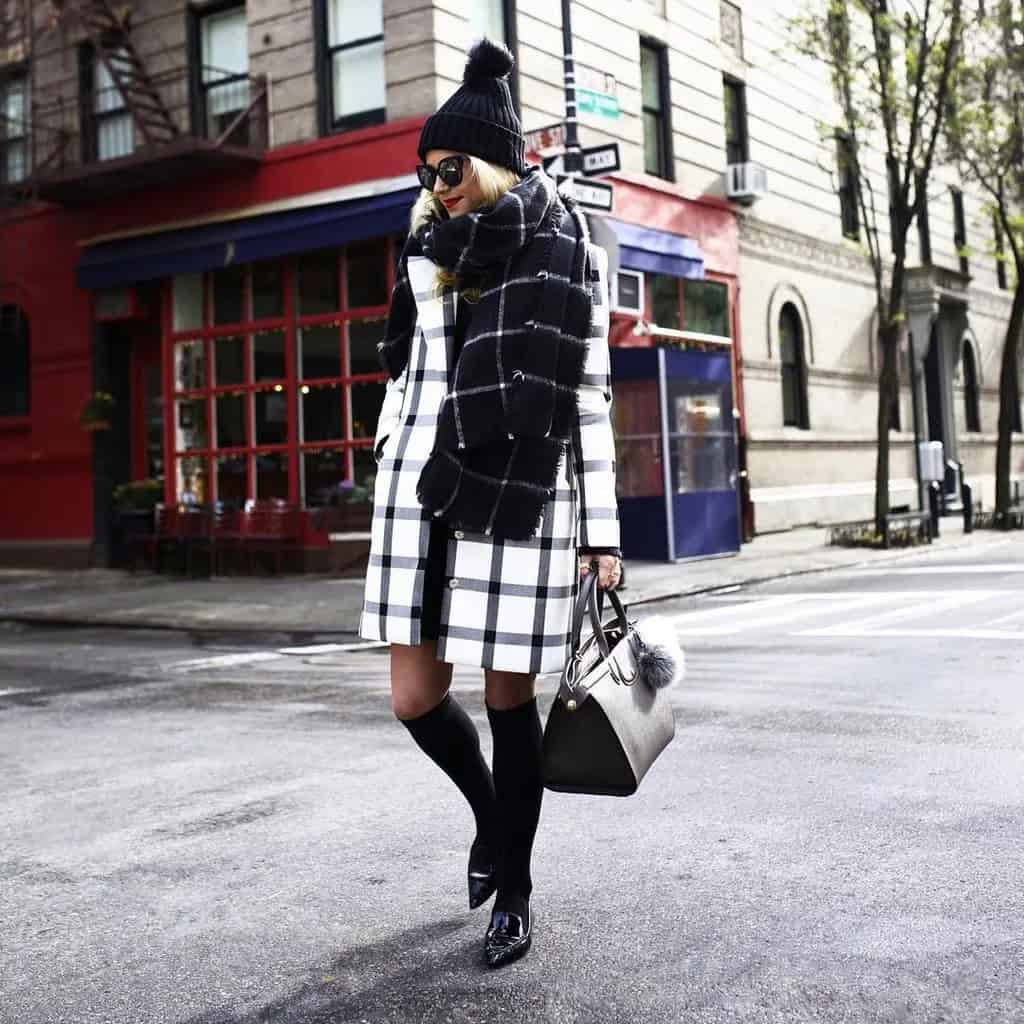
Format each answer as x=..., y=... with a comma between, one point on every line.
x=327, y=123
x=663, y=114
x=15, y=74
x=290, y=322
x=794, y=372
x=738, y=145
x=198, y=89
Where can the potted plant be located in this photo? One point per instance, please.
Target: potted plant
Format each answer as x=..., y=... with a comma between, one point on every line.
x=133, y=516
x=97, y=411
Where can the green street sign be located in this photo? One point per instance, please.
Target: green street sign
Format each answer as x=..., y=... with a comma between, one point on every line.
x=590, y=102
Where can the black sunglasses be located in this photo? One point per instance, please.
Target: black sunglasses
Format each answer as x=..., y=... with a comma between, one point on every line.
x=449, y=170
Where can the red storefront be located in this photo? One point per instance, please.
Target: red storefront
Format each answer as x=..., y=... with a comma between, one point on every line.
x=234, y=321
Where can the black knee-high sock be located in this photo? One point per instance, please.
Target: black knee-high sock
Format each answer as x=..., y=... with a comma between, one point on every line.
x=446, y=734
x=519, y=787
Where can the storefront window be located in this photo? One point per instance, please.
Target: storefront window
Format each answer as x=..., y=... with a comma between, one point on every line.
x=189, y=365
x=285, y=405
x=638, y=466
x=665, y=301
x=366, y=275
x=703, y=305
x=700, y=435
x=321, y=352
x=318, y=282
x=229, y=295
x=267, y=291
x=706, y=308
x=271, y=416
x=268, y=355
x=229, y=361
x=188, y=302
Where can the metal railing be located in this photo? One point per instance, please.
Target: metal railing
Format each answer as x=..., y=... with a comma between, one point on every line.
x=227, y=109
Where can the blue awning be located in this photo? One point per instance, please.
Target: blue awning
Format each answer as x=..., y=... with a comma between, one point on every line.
x=658, y=252
x=187, y=250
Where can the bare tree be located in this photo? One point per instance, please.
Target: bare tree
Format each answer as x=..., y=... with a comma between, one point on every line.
x=894, y=74
x=986, y=138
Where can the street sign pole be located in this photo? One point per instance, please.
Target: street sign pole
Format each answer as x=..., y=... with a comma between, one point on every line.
x=573, y=155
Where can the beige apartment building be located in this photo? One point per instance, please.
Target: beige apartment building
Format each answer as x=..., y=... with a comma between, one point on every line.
x=185, y=167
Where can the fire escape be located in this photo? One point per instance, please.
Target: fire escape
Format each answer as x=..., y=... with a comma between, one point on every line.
x=120, y=128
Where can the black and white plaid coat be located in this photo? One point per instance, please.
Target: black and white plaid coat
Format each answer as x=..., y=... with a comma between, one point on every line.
x=507, y=604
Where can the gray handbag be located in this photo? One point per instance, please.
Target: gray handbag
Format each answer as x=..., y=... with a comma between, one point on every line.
x=611, y=717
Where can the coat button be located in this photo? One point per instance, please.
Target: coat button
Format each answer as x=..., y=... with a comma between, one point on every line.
x=459, y=535
x=453, y=583
x=542, y=275
x=518, y=376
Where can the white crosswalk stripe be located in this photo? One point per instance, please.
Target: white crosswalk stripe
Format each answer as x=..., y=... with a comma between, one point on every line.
x=964, y=614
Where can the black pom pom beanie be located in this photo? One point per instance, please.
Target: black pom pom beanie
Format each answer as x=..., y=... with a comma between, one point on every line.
x=479, y=118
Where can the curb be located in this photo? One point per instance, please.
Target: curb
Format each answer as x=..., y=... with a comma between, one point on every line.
x=249, y=629
x=753, y=581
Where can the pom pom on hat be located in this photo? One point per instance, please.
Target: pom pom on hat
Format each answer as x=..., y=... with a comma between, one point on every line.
x=480, y=118
x=487, y=59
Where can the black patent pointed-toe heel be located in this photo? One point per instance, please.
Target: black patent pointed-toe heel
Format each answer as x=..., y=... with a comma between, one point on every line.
x=509, y=936
x=482, y=874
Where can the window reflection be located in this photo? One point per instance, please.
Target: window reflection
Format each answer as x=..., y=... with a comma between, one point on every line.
x=321, y=412
x=321, y=352
x=268, y=356
x=363, y=338
x=271, y=417
x=232, y=489
x=189, y=366
x=229, y=361
x=318, y=279
x=190, y=429
x=230, y=421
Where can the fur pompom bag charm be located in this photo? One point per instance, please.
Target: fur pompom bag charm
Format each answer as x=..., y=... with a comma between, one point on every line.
x=613, y=714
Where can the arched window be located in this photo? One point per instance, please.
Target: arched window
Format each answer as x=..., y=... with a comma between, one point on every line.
x=794, y=369
x=14, y=361
x=972, y=417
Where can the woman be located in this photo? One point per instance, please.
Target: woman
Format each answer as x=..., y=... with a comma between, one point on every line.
x=495, y=486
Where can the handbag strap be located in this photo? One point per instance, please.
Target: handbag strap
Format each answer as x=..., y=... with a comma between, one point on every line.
x=588, y=605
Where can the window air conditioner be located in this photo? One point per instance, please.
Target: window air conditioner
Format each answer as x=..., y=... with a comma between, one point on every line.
x=746, y=182
x=628, y=293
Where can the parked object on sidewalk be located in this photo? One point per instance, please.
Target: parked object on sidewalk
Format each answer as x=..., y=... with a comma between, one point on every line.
x=902, y=529
x=611, y=718
x=96, y=412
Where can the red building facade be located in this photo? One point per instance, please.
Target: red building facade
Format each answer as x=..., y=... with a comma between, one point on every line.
x=234, y=320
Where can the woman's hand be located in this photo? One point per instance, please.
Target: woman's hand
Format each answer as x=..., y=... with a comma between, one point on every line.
x=609, y=569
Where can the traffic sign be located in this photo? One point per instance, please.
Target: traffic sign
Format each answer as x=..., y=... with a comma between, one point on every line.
x=592, y=195
x=589, y=101
x=551, y=136
x=597, y=160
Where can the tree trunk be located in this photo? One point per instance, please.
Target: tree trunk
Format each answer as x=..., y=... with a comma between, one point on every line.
x=1009, y=393
x=888, y=381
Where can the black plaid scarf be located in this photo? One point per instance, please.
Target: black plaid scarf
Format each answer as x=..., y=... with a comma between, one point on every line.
x=507, y=418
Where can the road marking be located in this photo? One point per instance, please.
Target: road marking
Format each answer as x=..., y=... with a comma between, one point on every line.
x=934, y=606
x=1013, y=616
x=945, y=634
x=224, y=661
x=772, y=611
x=11, y=692
x=363, y=645
x=938, y=570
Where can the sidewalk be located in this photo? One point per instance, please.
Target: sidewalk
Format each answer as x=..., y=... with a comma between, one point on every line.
x=308, y=606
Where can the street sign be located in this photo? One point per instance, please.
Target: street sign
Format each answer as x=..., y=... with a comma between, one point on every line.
x=589, y=101
x=592, y=195
x=597, y=160
x=551, y=136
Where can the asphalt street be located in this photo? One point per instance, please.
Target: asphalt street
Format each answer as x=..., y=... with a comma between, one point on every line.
x=240, y=834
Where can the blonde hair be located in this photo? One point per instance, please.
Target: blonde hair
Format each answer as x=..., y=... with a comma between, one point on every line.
x=494, y=182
